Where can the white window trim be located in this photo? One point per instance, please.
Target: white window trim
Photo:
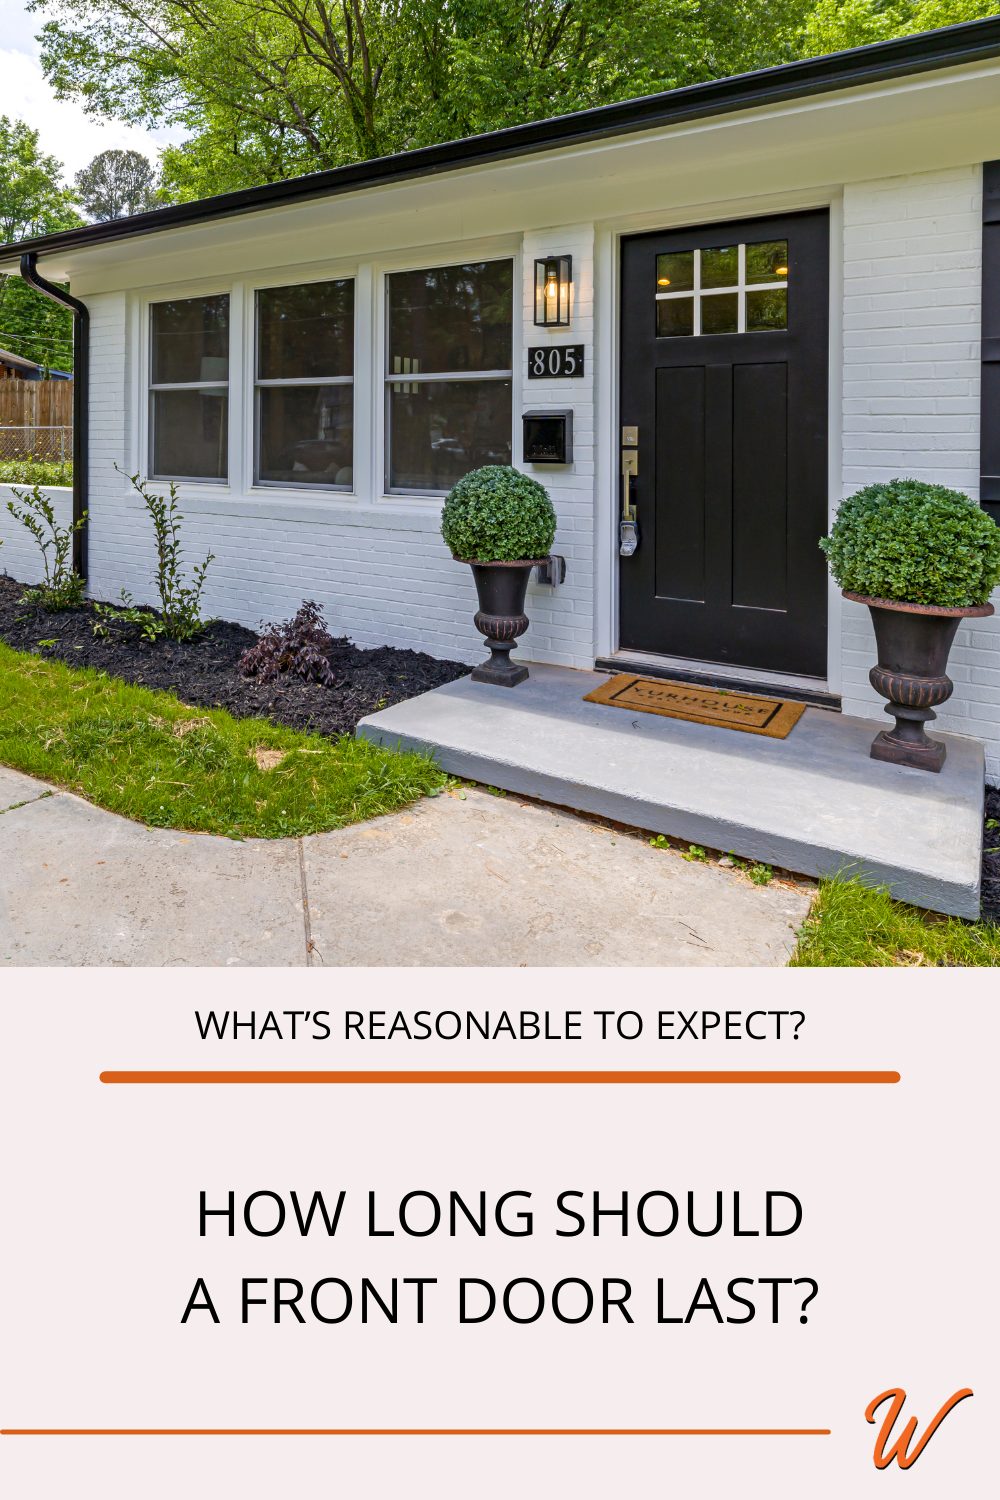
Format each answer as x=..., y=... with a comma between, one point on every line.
x=144, y=422
x=449, y=255
x=139, y=454
x=272, y=486
x=369, y=503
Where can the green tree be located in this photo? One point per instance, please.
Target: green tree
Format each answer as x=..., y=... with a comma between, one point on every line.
x=270, y=88
x=834, y=25
x=117, y=183
x=33, y=201
x=33, y=198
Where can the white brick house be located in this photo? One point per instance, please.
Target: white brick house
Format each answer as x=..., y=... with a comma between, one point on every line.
x=877, y=156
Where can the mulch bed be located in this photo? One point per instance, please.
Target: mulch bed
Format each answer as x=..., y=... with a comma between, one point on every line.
x=203, y=672
x=991, y=862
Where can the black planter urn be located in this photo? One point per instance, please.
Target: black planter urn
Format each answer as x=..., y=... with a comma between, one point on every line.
x=501, y=587
x=913, y=642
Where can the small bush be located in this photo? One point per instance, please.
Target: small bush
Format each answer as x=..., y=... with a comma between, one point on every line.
x=62, y=587
x=496, y=514
x=300, y=646
x=916, y=543
x=180, y=602
x=114, y=621
x=36, y=471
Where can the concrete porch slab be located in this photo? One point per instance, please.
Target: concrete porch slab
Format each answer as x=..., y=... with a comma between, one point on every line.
x=814, y=803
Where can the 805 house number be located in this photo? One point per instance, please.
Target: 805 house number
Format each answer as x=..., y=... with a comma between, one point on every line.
x=556, y=362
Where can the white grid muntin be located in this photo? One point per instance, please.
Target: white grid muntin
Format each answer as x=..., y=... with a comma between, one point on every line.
x=741, y=286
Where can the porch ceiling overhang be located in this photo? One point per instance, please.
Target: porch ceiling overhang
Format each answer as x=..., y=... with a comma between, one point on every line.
x=867, y=88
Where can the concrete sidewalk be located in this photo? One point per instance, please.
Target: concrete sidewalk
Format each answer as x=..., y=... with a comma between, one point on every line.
x=460, y=879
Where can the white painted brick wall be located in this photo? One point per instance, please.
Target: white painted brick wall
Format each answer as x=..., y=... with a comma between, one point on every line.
x=910, y=405
x=19, y=554
x=912, y=295
x=381, y=578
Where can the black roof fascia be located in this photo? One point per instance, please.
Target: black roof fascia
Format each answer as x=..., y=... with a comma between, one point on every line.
x=952, y=46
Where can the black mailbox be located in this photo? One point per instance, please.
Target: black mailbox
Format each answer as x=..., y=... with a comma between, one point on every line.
x=548, y=437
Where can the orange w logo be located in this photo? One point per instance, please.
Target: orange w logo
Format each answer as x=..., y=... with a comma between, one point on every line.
x=900, y=1450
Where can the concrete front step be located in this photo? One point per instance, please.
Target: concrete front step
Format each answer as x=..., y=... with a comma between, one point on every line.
x=814, y=802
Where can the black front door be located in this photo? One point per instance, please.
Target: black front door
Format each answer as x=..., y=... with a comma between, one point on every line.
x=724, y=335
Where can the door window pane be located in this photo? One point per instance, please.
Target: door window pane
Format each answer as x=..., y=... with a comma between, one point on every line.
x=767, y=310
x=447, y=323
x=452, y=318
x=767, y=262
x=306, y=435
x=720, y=267
x=442, y=429
x=675, y=272
x=720, y=313
x=189, y=341
x=739, y=288
x=305, y=332
x=674, y=317
x=190, y=433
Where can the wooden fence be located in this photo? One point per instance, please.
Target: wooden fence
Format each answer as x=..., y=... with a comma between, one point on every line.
x=36, y=403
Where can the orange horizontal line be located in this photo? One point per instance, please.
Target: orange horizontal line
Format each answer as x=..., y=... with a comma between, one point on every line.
x=415, y=1432
x=531, y=1076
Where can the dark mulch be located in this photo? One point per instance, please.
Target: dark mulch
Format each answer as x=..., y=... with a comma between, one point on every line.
x=991, y=860
x=203, y=672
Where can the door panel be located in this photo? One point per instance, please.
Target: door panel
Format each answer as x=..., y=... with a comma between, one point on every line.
x=724, y=371
x=760, y=485
x=680, y=484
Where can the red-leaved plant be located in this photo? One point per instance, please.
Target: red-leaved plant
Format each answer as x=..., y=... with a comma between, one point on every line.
x=299, y=646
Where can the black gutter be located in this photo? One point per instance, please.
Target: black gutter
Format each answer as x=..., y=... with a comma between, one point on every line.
x=949, y=47
x=81, y=404
x=989, y=442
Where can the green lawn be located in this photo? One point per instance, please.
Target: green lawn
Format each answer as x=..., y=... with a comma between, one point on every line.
x=851, y=926
x=148, y=756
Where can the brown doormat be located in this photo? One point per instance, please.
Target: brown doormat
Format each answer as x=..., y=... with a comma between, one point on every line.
x=700, y=705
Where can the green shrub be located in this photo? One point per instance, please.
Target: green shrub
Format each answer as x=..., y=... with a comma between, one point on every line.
x=915, y=542
x=36, y=471
x=496, y=514
x=180, y=601
x=62, y=587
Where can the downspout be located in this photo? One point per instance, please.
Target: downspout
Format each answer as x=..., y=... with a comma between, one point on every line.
x=81, y=403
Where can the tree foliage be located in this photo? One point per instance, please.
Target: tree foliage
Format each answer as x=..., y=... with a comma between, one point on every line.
x=117, y=183
x=267, y=89
x=33, y=201
x=270, y=88
x=834, y=25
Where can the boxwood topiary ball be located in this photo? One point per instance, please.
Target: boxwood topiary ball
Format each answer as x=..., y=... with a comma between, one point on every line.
x=915, y=543
x=497, y=514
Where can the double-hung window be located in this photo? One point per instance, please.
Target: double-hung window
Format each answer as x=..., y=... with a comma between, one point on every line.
x=304, y=386
x=448, y=373
x=189, y=389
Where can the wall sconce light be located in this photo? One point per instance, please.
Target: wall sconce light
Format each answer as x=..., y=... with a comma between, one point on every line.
x=553, y=280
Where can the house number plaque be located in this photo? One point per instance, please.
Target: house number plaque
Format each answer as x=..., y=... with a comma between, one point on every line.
x=556, y=362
